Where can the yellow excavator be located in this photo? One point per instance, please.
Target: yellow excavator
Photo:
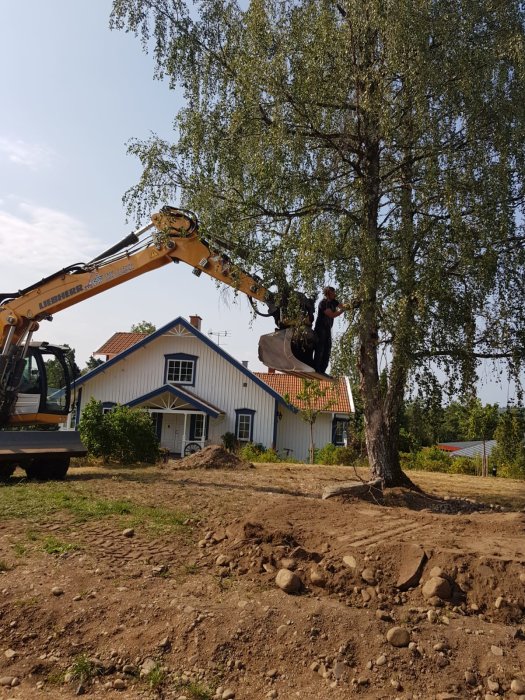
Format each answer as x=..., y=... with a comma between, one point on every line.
x=36, y=379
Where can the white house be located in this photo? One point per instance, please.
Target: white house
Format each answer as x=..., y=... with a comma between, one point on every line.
x=197, y=392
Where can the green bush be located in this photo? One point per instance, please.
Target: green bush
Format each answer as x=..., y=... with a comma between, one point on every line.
x=429, y=459
x=465, y=465
x=93, y=430
x=510, y=470
x=335, y=454
x=229, y=442
x=255, y=452
x=133, y=435
x=122, y=435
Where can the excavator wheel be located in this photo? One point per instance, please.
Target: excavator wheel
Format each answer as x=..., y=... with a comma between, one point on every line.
x=48, y=468
x=6, y=471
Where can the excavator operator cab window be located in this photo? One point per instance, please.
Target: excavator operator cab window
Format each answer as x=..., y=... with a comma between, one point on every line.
x=57, y=380
x=46, y=373
x=31, y=378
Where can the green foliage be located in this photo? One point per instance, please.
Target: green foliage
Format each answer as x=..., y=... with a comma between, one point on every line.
x=156, y=677
x=252, y=452
x=132, y=434
x=480, y=421
x=123, y=434
x=83, y=669
x=313, y=400
x=336, y=454
x=143, y=327
x=429, y=459
x=509, y=454
x=52, y=545
x=93, y=430
x=92, y=363
x=229, y=441
x=465, y=465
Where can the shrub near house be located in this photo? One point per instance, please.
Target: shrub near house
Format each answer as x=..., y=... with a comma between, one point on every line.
x=122, y=435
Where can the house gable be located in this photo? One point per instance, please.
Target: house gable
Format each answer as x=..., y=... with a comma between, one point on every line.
x=190, y=329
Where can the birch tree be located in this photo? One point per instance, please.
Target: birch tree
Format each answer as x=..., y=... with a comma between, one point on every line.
x=375, y=145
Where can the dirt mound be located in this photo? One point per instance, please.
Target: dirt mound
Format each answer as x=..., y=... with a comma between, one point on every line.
x=159, y=583
x=406, y=498
x=213, y=457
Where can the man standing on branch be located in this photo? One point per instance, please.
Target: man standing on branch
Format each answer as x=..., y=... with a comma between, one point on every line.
x=329, y=308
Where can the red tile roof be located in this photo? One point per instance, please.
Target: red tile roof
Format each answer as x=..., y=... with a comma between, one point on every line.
x=118, y=343
x=291, y=385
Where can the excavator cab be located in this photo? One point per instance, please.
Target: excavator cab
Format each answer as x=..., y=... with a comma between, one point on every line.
x=44, y=384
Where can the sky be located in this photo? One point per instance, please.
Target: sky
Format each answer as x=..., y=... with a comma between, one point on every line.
x=74, y=93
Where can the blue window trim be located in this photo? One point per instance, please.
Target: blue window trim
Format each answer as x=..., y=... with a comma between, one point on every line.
x=108, y=405
x=158, y=424
x=244, y=412
x=193, y=420
x=180, y=356
x=335, y=420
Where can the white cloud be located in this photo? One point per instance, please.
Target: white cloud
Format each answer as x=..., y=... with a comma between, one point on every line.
x=28, y=155
x=37, y=241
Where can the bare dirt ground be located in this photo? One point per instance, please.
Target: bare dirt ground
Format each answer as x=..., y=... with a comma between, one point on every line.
x=161, y=583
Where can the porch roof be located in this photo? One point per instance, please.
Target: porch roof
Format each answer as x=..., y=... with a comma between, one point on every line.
x=175, y=398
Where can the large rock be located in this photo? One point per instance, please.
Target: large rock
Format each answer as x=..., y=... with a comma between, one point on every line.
x=413, y=560
x=437, y=587
x=288, y=581
x=398, y=636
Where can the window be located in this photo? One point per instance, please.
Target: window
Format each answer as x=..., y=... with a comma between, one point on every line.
x=108, y=406
x=244, y=424
x=198, y=425
x=156, y=419
x=339, y=430
x=180, y=368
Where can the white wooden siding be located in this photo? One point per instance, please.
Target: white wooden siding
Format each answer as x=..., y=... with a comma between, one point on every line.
x=218, y=382
x=293, y=434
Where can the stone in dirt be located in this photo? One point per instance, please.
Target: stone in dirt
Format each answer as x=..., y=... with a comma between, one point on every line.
x=213, y=457
x=398, y=636
x=413, y=559
x=437, y=586
x=288, y=581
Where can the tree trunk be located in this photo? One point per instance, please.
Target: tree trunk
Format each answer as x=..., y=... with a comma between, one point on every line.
x=383, y=452
x=381, y=409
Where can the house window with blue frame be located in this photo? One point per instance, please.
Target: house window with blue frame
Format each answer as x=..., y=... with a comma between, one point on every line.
x=199, y=426
x=340, y=431
x=244, y=424
x=108, y=406
x=180, y=368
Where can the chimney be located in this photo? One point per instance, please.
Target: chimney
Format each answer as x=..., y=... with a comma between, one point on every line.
x=245, y=363
x=271, y=370
x=196, y=321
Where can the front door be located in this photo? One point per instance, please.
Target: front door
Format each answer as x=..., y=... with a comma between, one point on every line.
x=172, y=432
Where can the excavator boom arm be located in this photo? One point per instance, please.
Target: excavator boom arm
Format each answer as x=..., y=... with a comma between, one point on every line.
x=175, y=240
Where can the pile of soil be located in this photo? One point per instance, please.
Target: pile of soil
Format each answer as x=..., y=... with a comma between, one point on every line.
x=213, y=457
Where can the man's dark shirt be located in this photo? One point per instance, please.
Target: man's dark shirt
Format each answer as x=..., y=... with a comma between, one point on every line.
x=323, y=322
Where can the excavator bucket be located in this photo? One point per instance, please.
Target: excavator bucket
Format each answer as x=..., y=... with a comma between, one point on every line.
x=276, y=350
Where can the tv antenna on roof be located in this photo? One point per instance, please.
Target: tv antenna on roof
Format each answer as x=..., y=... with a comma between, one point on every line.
x=219, y=335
